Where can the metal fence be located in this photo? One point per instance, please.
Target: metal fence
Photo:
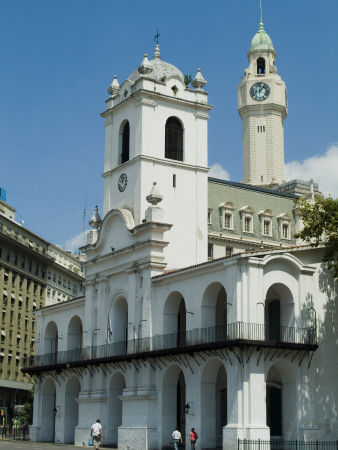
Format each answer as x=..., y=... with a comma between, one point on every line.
x=239, y=331
x=286, y=445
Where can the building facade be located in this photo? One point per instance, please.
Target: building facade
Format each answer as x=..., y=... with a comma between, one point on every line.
x=238, y=347
x=25, y=265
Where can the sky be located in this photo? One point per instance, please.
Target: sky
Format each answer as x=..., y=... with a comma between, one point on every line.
x=59, y=57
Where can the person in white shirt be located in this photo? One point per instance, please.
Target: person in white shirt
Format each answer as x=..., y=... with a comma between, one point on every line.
x=96, y=433
x=177, y=438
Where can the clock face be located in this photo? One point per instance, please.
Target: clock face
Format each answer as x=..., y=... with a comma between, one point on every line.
x=122, y=183
x=260, y=91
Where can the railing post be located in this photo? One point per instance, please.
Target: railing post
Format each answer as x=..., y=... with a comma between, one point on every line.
x=259, y=444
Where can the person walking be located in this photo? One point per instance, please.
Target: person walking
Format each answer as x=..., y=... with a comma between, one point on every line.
x=193, y=436
x=177, y=438
x=97, y=434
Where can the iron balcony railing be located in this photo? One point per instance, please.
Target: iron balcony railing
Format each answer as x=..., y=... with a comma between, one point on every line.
x=277, y=444
x=193, y=340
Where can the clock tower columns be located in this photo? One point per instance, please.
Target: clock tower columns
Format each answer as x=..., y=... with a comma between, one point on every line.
x=262, y=105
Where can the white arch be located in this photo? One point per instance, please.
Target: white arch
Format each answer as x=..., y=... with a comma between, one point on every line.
x=71, y=413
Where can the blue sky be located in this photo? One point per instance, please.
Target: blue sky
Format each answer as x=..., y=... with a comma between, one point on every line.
x=59, y=57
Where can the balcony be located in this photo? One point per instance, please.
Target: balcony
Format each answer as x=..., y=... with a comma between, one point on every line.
x=235, y=335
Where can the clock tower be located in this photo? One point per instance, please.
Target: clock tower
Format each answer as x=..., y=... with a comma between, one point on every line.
x=156, y=132
x=262, y=105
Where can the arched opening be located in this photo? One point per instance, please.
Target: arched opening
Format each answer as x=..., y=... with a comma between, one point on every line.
x=173, y=401
x=125, y=143
x=260, y=66
x=281, y=401
x=213, y=404
x=174, y=139
x=214, y=313
x=279, y=313
x=74, y=334
x=71, y=414
x=48, y=406
x=50, y=343
x=174, y=321
x=117, y=384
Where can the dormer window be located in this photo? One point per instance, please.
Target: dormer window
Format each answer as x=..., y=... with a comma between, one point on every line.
x=247, y=219
x=125, y=143
x=227, y=211
x=284, y=226
x=260, y=66
x=265, y=217
x=174, y=139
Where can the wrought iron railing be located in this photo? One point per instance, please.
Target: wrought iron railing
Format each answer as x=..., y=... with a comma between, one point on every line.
x=230, y=334
x=276, y=444
x=11, y=432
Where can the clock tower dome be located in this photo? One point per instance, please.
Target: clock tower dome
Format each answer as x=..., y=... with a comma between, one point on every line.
x=262, y=105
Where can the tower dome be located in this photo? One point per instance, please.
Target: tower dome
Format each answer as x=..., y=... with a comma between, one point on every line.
x=261, y=40
x=157, y=69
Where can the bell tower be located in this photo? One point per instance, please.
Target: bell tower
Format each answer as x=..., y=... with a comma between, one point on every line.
x=156, y=131
x=262, y=105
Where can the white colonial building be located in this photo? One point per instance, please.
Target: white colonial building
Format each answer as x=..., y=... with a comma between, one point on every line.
x=240, y=347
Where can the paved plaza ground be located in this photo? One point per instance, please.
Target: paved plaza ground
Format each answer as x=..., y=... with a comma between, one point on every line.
x=27, y=445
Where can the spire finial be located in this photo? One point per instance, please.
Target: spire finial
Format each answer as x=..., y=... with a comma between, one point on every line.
x=261, y=13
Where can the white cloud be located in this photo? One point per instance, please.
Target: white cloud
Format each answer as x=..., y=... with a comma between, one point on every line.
x=323, y=169
x=72, y=244
x=217, y=171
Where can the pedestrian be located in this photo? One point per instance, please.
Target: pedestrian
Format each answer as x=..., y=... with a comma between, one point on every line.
x=177, y=438
x=193, y=436
x=97, y=434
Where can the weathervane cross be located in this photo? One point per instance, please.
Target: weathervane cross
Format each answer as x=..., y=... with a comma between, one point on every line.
x=157, y=35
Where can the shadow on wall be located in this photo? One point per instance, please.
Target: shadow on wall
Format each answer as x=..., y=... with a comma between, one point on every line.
x=319, y=396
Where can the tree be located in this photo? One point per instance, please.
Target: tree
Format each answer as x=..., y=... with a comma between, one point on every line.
x=27, y=414
x=187, y=80
x=321, y=227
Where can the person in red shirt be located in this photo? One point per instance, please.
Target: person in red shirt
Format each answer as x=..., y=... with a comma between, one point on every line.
x=193, y=436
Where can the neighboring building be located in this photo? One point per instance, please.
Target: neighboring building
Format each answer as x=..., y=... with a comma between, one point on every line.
x=25, y=265
x=240, y=347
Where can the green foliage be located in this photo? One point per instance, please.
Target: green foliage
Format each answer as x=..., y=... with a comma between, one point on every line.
x=27, y=414
x=321, y=227
x=187, y=80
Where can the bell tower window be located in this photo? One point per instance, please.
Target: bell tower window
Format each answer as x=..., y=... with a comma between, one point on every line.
x=260, y=66
x=174, y=139
x=125, y=143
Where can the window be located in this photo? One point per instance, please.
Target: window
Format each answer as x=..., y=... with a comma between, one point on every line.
x=9, y=231
x=227, y=211
x=174, y=139
x=247, y=219
x=210, y=250
x=7, y=254
x=22, y=262
x=125, y=143
x=36, y=271
x=229, y=251
x=265, y=217
x=260, y=66
x=284, y=226
x=29, y=265
x=16, y=235
x=209, y=216
x=15, y=259
x=285, y=231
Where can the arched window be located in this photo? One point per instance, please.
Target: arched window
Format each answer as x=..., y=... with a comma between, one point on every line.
x=125, y=143
x=260, y=66
x=173, y=139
